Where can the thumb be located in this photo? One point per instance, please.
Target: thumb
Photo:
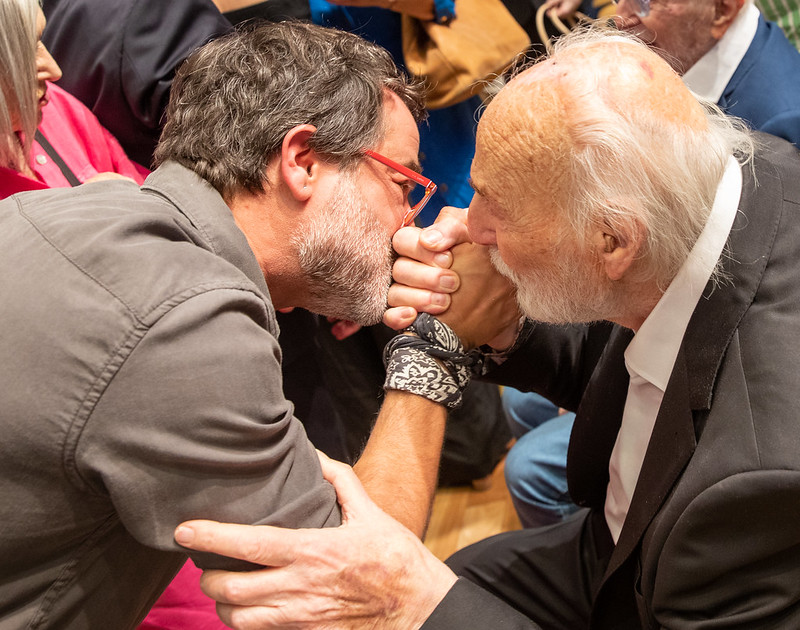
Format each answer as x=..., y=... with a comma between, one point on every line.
x=449, y=229
x=399, y=317
x=353, y=499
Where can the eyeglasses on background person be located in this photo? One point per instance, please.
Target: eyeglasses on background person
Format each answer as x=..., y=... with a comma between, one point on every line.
x=415, y=177
x=640, y=7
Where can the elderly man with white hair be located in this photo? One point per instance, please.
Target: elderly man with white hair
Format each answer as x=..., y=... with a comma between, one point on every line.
x=728, y=54
x=667, y=310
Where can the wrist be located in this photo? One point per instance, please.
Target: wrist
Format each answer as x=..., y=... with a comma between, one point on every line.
x=507, y=340
x=439, y=579
x=490, y=357
x=431, y=362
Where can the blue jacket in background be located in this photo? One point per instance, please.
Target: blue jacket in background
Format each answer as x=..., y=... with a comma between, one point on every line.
x=765, y=89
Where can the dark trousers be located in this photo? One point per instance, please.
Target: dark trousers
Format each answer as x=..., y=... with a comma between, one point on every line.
x=549, y=574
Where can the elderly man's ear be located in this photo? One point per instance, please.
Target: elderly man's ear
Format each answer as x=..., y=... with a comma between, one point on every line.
x=725, y=12
x=300, y=164
x=617, y=248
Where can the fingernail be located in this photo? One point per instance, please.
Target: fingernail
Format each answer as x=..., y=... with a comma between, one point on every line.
x=184, y=535
x=448, y=283
x=437, y=299
x=442, y=260
x=431, y=237
x=409, y=314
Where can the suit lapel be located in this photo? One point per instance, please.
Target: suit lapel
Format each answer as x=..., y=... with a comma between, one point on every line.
x=597, y=423
x=745, y=258
x=670, y=449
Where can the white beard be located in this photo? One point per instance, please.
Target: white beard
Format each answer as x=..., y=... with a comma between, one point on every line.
x=562, y=294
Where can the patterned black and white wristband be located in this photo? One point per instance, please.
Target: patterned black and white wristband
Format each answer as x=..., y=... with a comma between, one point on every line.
x=431, y=362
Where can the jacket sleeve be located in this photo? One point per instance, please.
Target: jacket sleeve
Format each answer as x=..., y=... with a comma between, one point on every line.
x=469, y=607
x=158, y=37
x=555, y=361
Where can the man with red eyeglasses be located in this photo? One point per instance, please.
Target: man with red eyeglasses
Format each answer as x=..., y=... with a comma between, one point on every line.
x=140, y=362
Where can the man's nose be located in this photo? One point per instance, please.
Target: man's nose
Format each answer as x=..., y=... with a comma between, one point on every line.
x=481, y=231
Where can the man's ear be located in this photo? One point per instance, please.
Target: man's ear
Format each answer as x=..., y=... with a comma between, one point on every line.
x=725, y=12
x=299, y=162
x=617, y=248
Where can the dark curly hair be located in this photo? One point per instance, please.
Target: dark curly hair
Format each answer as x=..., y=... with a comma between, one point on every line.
x=234, y=100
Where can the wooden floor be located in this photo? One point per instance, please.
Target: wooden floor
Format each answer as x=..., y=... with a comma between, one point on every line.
x=462, y=516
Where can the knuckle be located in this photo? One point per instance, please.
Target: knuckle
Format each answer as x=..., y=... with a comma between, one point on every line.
x=253, y=549
x=239, y=619
x=230, y=590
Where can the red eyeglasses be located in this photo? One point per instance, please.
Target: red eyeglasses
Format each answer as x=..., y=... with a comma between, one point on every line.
x=415, y=177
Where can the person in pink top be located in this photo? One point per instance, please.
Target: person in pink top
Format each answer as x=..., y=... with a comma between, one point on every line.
x=47, y=137
x=87, y=148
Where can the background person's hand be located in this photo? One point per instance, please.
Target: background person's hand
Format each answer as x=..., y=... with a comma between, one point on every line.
x=105, y=176
x=563, y=8
x=343, y=328
x=369, y=572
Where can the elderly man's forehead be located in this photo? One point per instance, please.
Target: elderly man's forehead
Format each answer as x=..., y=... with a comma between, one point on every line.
x=618, y=74
x=528, y=133
x=521, y=140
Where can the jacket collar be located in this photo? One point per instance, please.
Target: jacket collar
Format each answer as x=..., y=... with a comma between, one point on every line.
x=204, y=207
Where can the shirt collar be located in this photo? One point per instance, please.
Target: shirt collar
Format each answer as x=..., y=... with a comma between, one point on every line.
x=712, y=73
x=196, y=199
x=652, y=352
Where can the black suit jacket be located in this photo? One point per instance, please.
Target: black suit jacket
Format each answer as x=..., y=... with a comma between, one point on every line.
x=712, y=538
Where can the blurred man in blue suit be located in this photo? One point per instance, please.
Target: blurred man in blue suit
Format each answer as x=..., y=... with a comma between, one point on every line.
x=727, y=53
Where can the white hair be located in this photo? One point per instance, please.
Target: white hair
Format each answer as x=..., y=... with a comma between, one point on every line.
x=18, y=39
x=630, y=165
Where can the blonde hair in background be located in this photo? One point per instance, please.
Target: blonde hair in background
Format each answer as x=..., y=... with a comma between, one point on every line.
x=18, y=100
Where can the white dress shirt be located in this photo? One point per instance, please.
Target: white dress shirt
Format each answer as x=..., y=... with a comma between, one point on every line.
x=651, y=354
x=709, y=77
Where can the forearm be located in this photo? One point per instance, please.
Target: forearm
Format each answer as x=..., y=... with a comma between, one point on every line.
x=400, y=464
x=556, y=361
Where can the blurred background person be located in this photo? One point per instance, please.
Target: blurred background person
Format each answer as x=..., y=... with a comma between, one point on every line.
x=119, y=58
x=727, y=53
x=48, y=137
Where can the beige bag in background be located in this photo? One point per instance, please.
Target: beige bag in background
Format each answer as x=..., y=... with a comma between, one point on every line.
x=456, y=59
